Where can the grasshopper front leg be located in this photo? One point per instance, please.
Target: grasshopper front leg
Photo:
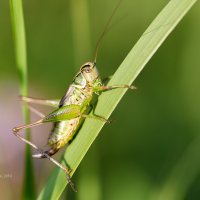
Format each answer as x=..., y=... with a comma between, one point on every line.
x=101, y=88
x=105, y=87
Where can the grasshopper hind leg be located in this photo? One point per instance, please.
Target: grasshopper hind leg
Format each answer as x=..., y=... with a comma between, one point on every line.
x=49, y=152
x=46, y=154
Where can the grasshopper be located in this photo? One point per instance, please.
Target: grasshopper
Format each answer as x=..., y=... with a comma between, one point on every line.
x=70, y=111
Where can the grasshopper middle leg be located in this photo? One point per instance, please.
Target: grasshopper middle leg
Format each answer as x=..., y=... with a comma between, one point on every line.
x=53, y=103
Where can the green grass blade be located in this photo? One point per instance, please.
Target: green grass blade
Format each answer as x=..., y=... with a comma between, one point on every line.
x=21, y=63
x=132, y=65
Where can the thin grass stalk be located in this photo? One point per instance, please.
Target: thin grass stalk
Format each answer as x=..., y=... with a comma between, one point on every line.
x=17, y=17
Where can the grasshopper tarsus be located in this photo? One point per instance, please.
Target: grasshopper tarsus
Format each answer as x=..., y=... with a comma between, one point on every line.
x=15, y=130
x=132, y=87
x=71, y=182
x=109, y=121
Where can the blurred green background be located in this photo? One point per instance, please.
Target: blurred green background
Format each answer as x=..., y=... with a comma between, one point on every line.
x=151, y=150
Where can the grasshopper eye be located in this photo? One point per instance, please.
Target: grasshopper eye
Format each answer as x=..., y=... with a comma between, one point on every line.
x=86, y=69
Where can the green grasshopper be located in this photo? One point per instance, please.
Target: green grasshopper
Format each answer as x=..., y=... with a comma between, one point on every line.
x=69, y=112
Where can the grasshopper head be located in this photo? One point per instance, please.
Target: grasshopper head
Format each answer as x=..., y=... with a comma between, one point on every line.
x=89, y=71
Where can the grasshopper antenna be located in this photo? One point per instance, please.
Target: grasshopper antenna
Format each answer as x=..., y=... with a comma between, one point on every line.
x=105, y=30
